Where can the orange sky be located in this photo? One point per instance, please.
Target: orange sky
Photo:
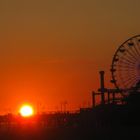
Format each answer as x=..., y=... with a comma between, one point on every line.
x=51, y=51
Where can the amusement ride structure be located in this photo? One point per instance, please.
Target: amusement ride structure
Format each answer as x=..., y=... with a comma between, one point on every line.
x=125, y=71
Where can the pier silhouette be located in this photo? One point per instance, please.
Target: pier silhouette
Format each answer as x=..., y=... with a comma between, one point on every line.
x=116, y=117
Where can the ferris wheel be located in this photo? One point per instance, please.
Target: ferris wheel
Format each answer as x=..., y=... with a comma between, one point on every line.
x=125, y=68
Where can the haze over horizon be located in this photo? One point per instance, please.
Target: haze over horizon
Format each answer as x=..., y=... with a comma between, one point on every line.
x=51, y=51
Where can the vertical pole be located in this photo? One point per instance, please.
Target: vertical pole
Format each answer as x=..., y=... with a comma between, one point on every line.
x=108, y=97
x=102, y=87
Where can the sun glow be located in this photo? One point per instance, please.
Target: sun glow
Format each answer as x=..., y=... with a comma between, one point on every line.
x=26, y=111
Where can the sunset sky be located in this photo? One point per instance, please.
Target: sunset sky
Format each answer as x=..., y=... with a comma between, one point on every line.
x=51, y=50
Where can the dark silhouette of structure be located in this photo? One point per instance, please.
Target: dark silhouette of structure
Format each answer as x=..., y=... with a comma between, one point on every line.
x=113, y=96
x=116, y=117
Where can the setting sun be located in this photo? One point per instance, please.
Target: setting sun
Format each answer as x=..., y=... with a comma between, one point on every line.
x=26, y=111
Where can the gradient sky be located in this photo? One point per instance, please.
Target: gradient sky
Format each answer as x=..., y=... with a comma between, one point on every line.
x=51, y=50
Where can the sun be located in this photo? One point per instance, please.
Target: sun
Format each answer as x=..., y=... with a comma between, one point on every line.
x=26, y=111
